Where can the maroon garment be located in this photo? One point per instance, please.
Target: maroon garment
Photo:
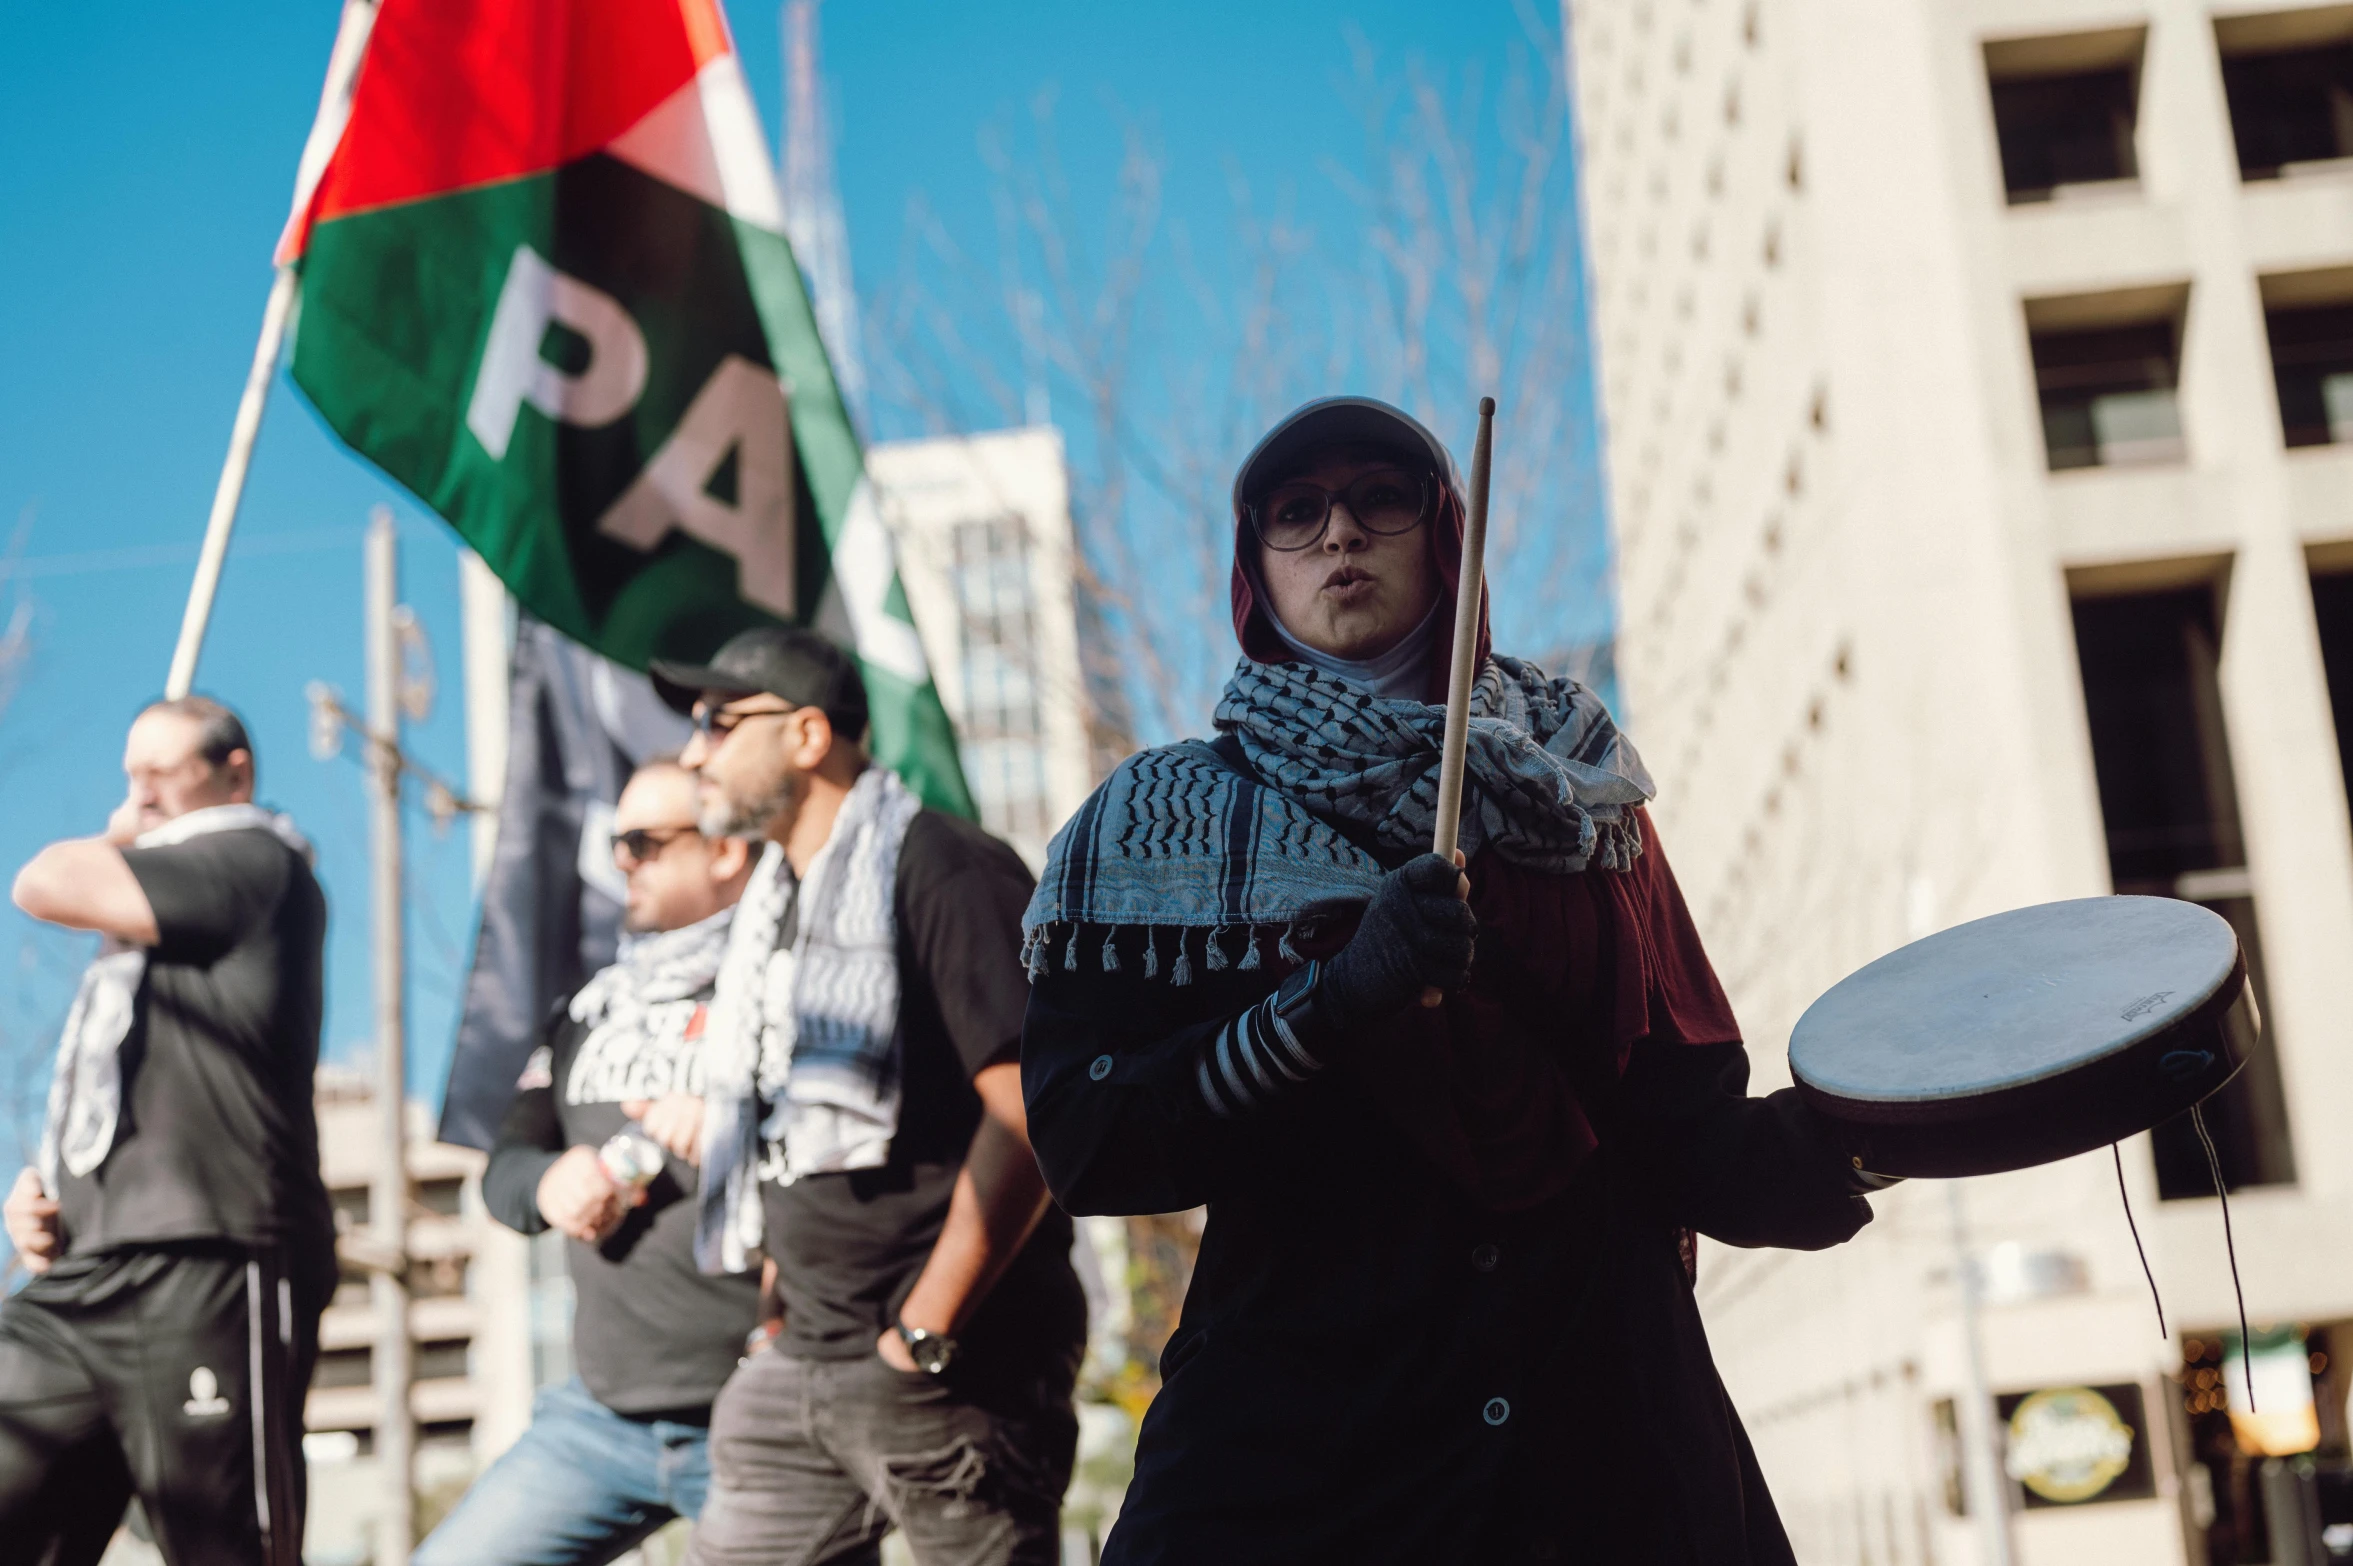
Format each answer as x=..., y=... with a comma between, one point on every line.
x=1572, y=972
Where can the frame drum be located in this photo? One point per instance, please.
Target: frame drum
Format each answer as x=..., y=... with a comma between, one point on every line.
x=2027, y=1037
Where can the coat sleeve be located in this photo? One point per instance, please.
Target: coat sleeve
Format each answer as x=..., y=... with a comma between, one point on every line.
x=1141, y=1101
x=1745, y=1171
x=530, y=1138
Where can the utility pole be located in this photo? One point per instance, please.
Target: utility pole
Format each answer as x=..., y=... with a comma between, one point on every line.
x=1982, y=1480
x=388, y=1198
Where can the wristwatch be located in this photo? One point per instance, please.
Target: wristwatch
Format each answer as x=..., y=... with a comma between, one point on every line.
x=930, y=1351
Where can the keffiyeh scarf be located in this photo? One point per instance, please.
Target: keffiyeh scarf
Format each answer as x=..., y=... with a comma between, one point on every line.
x=800, y=1058
x=643, y=1040
x=1178, y=843
x=86, y=1085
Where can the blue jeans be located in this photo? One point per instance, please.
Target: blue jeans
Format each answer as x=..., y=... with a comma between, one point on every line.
x=583, y=1485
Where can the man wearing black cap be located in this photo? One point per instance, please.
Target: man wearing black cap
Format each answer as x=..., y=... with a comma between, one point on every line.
x=863, y=1125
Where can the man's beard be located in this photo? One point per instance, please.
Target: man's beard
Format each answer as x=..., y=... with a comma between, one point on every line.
x=771, y=811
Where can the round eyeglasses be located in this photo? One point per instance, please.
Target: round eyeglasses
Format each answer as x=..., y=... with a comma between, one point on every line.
x=1386, y=501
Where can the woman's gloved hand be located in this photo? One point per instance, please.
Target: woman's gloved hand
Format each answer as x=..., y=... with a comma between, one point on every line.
x=1413, y=944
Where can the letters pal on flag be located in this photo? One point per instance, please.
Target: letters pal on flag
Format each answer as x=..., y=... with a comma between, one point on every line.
x=545, y=286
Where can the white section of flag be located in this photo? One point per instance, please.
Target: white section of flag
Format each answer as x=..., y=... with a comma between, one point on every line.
x=705, y=139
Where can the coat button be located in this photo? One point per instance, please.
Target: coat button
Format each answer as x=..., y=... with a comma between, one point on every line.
x=1484, y=1257
x=1101, y=1068
x=1496, y=1411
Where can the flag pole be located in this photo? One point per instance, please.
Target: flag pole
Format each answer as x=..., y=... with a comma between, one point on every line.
x=231, y=489
x=351, y=43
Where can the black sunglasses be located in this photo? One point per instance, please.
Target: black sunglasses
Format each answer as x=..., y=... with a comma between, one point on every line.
x=716, y=723
x=643, y=845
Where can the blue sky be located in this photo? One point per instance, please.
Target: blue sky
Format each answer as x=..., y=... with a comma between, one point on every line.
x=146, y=156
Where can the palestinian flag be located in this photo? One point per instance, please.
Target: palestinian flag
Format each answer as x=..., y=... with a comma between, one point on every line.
x=545, y=286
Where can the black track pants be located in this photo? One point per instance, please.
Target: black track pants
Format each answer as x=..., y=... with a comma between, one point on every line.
x=174, y=1374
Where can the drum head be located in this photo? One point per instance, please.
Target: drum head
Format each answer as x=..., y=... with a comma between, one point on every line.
x=2029, y=1036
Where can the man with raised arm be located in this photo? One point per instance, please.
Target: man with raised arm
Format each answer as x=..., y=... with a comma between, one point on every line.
x=1453, y=1129
x=176, y=1225
x=622, y=1447
x=863, y=1125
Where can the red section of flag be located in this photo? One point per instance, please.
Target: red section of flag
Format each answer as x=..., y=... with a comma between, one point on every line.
x=457, y=93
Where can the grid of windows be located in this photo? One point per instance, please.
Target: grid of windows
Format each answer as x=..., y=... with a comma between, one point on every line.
x=1003, y=721
x=2065, y=111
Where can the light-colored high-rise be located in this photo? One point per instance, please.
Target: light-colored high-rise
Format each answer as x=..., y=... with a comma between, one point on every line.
x=1978, y=385
x=982, y=528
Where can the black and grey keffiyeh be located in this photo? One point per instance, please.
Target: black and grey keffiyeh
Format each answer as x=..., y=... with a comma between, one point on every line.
x=801, y=1063
x=1179, y=843
x=642, y=1041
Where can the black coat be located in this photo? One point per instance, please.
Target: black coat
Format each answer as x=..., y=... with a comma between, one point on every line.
x=1374, y=1366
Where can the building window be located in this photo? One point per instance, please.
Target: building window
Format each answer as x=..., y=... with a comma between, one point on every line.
x=350, y=1367
x=2170, y=809
x=350, y=1204
x=2289, y=78
x=2109, y=392
x=448, y=1360
x=2312, y=365
x=445, y=1197
x=2332, y=610
x=2065, y=110
x=1002, y=727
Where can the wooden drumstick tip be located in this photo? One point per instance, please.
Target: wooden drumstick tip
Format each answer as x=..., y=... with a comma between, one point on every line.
x=1486, y=407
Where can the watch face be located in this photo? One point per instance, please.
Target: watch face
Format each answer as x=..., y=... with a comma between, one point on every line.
x=931, y=1353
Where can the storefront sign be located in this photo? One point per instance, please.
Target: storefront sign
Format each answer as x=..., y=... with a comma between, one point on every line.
x=2067, y=1446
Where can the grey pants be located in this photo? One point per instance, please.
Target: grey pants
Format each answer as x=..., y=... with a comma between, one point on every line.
x=813, y=1461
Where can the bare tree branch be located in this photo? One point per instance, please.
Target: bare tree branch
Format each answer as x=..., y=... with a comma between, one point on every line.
x=1460, y=277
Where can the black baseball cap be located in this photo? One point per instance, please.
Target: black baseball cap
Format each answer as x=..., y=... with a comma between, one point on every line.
x=781, y=660
x=1339, y=421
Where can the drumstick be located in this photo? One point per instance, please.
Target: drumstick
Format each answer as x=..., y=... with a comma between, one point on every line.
x=1467, y=593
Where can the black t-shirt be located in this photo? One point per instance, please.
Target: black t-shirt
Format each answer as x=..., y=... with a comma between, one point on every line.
x=217, y=1137
x=848, y=1246
x=651, y=1334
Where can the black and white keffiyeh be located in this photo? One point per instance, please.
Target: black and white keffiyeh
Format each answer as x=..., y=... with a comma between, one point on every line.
x=640, y=1012
x=1178, y=843
x=800, y=1058
x=86, y=1085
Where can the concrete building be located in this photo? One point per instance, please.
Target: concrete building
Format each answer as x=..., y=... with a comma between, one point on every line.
x=981, y=524
x=468, y=1314
x=1978, y=382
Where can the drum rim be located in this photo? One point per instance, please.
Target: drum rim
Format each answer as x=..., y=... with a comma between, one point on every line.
x=1925, y=1107
x=2205, y=1019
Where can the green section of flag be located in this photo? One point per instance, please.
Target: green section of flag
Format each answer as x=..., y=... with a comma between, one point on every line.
x=615, y=469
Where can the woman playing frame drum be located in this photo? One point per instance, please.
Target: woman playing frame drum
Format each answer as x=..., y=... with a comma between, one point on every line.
x=1454, y=1129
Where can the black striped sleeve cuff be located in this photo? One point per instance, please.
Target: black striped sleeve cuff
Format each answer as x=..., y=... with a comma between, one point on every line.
x=1258, y=1057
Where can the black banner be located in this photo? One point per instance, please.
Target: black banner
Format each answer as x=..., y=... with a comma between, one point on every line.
x=577, y=725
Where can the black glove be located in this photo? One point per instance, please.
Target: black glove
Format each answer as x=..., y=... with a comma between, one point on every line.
x=1416, y=934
